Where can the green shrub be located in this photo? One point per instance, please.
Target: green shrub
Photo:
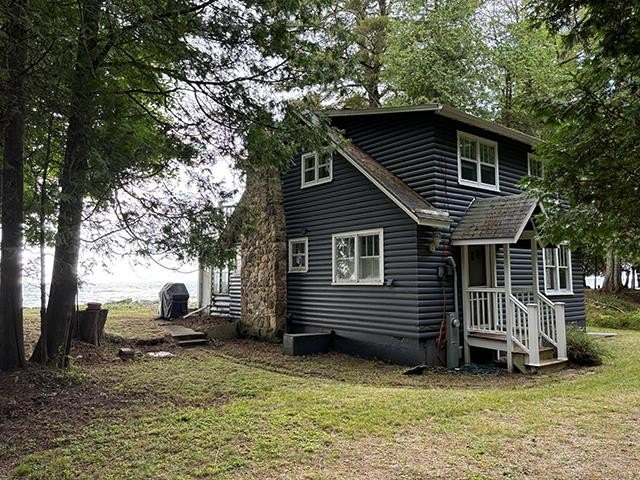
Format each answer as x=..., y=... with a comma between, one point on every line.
x=583, y=349
x=619, y=320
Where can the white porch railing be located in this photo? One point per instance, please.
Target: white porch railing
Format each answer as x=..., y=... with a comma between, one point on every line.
x=486, y=310
x=534, y=318
x=552, y=324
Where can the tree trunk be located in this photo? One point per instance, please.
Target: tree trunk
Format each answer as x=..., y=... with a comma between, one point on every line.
x=612, y=275
x=11, y=333
x=372, y=47
x=42, y=218
x=61, y=309
x=626, y=278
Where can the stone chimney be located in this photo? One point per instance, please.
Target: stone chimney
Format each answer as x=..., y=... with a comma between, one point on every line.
x=264, y=258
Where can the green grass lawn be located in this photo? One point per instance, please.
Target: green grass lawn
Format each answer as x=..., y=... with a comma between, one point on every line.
x=242, y=410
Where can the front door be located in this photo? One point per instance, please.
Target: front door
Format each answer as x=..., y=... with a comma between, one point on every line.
x=479, y=266
x=483, y=301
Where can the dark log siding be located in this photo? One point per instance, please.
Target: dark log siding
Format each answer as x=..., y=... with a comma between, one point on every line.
x=421, y=149
x=371, y=320
x=234, y=295
x=228, y=304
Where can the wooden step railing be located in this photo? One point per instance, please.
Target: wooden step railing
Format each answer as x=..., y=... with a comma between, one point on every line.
x=552, y=324
x=486, y=308
x=533, y=319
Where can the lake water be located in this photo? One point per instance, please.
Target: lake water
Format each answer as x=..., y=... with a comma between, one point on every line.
x=136, y=283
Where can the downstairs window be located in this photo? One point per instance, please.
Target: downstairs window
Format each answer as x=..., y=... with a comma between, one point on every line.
x=358, y=258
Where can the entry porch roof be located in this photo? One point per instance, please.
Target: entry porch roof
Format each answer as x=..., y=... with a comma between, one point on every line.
x=494, y=220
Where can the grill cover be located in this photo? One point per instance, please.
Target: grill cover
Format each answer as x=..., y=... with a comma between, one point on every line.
x=174, y=298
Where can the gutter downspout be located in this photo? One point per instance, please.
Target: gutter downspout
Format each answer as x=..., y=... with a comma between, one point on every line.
x=453, y=327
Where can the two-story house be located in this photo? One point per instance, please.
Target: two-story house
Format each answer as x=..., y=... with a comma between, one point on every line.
x=418, y=221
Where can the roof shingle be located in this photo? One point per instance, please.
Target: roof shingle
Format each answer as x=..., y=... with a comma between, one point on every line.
x=495, y=220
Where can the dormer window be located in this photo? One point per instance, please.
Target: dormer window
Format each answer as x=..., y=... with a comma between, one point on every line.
x=316, y=169
x=477, y=162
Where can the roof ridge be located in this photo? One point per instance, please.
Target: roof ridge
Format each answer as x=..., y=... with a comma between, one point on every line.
x=446, y=111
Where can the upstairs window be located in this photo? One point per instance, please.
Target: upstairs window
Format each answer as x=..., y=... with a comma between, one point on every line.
x=557, y=270
x=535, y=167
x=298, y=255
x=358, y=258
x=477, y=162
x=316, y=169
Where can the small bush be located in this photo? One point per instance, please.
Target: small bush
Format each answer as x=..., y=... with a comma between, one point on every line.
x=617, y=320
x=583, y=349
x=606, y=310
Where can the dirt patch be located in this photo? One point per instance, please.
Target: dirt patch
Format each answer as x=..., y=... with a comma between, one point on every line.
x=347, y=368
x=200, y=322
x=39, y=405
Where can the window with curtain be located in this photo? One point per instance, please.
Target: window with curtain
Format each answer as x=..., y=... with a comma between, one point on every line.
x=298, y=255
x=358, y=257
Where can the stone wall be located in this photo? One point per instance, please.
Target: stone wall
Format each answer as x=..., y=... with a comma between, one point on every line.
x=264, y=258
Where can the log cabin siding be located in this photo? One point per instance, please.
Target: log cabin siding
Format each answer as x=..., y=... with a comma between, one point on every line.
x=373, y=320
x=421, y=149
x=235, y=287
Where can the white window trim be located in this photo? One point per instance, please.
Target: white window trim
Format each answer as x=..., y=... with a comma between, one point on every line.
x=556, y=272
x=293, y=269
x=217, y=275
x=316, y=163
x=380, y=233
x=530, y=157
x=478, y=183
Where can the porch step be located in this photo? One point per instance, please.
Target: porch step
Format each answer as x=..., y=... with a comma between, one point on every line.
x=548, y=362
x=186, y=337
x=493, y=341
x=498, y=341
x=194, y=342
x=548, y=366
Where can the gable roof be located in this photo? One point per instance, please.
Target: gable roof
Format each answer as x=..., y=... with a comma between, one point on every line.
x=494, y=220
x=444, y=110
x=421, y=211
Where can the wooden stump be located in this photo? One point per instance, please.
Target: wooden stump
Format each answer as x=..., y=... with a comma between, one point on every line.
x=91, y=324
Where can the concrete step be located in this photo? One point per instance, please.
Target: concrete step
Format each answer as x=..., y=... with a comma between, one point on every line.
x=196, y=342
x=548, y=366
x=184, y=336
x=189, y=336
x=547, y=353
